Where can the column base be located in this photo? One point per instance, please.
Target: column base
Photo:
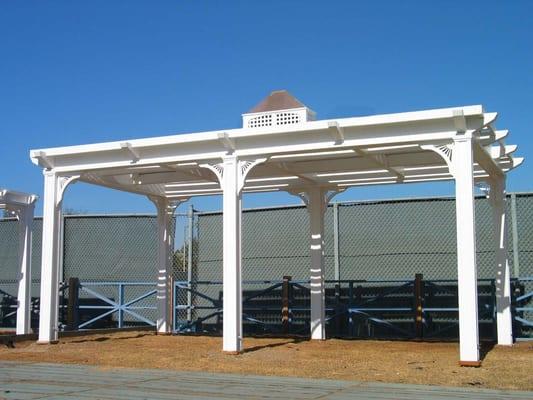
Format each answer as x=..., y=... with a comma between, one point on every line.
x=474, y=364
x=45, y=342
x=232, y=353
x=163, y=333
x=505, y=344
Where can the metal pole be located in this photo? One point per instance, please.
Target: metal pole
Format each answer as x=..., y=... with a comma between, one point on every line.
x=189, y=262
x=336, y=241
x=337, y=266
x=120, y=304
x=514, y=230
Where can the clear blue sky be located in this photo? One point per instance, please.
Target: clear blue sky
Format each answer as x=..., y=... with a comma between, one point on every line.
x=74, y=72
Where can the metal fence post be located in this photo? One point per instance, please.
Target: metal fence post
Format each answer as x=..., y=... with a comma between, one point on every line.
x=337, y=266
x=174, y=304
x=514, y=230
x=190, y=215
x=120, y=305
x=336, y=248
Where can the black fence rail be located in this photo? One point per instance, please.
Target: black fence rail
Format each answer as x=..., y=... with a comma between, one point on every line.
x=407, y=309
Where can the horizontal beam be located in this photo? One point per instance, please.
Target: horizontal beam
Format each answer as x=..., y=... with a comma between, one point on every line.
x=356, y=132
x=485, y=160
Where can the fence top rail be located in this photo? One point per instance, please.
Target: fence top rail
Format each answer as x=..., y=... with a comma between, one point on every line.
x=124, y=283
x=364, y=202
x=288, y=206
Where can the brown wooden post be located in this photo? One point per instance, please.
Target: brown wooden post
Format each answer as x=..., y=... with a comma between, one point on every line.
x=419, y=300
x=285, y=293
x=73, y=319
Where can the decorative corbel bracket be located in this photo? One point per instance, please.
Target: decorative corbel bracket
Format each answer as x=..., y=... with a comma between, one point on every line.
x=326, y=194
x=169, y=205
x=62, y=184
x=243, y=168
x=445, y=151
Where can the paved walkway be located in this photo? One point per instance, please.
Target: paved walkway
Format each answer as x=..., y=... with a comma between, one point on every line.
x=20, y=380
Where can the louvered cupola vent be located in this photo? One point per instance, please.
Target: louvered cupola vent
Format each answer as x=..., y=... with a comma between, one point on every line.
x=278, y=109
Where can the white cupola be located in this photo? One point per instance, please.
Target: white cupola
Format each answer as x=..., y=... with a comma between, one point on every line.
x=277, y=109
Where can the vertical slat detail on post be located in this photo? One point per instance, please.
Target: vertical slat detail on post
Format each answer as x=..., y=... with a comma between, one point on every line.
x=165, y=237
x=503, y=279
x=316, y=204
x=25, y=217
x=466, y=251
x=516, y=252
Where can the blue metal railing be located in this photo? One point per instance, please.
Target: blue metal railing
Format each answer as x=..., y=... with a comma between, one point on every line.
x=127, y=310
x=120, y=307
x=352, y=309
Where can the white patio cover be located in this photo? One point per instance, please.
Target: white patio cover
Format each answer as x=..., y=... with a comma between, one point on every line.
x=311, y=159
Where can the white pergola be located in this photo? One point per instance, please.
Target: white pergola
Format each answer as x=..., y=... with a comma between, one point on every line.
x=282, y=147
x=22, y=206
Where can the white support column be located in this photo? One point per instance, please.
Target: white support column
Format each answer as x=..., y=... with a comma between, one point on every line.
x=231, y=174
x=232, y=300
x=503, y=274
x=25, y=217
x=466, y=251
x=165, y=212
x=316, y=207
x=48, y=324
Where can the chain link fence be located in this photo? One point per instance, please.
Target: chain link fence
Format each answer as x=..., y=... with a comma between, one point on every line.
x=386, y=239
x=371, y=240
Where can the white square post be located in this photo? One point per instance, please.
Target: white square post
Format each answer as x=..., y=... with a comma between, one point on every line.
x=503, y=274
x=48, y=319
x=316, y=207
x=466, y=251
x=25, y=217
x=165, y=212
x=232, y=275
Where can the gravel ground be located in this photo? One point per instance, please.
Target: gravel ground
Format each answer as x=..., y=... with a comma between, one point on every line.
x=360, y=360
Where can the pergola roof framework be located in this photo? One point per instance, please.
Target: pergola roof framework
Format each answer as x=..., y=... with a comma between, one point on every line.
x=336, y=153
x=22, y=206
x=315, y=160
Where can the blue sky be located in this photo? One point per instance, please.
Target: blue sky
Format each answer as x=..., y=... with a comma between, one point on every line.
x=75, y=72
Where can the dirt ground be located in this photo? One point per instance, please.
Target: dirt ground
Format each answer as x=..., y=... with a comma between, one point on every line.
x=361, y=360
